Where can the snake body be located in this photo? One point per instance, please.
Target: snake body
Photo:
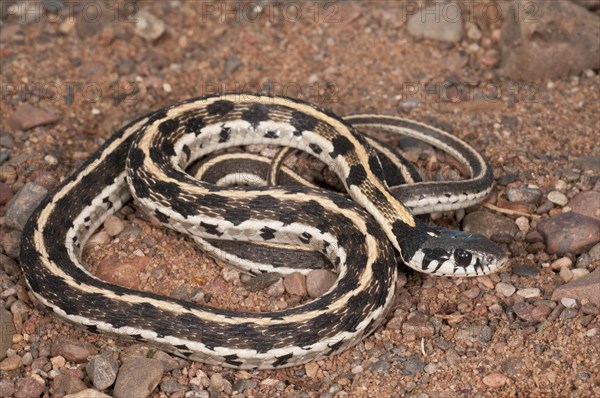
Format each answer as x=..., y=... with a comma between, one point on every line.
x=360, y=235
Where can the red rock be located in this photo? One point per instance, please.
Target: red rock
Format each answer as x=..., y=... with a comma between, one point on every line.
x=587, y=204
x=587, y=287
x=5, y=193
x=569, y=233
x=124, y=273
x=495, y=380
x=27, y=117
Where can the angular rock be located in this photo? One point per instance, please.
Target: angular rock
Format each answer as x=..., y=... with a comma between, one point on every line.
x=561, y=31
x=23, y=204
x=587, y=204
x=102, y=370
x=569, y=233
x=65, y=385
x=138, y=378
x=295, y=283
x=489, y=224
x=27, y=117
x=319, y=281
x=74, y=351
x=148, y=26
x=587, y=287
x=7, y=329
x=443, y=22
x=29, y=387
x=88, y=393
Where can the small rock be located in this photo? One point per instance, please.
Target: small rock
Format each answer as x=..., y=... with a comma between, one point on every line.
x=587, y=288
x=413, y=365
x=29, y=387
x=540, y=312
x=594, y=252
x=417, y=326
x=7, y=388
x=20, y=207
x=216, y=381
x=489, y=224
x=100, y=238
x=113, y=225
x=568, y=313
x=589, y=162
x=319, y=281
x=170, y=386
x=311, y=369
x=262, y=281
x=27, y=359
x=527, y=44
x=561, y=262
x=243, y=385
x=295, y=284
x=579, y=273
x=88, y=393
x=523, y=311
x=569, y=233
x=11, y=363
x=522, y=224
x=506, y=289
x=428, y=24
x=148, y=26
x=102, y=370
x=169, y=363
x=495, y=380
x=6, y=193
x=138, y=378
x=587, y=204
x=472, y=293
x=277, y=289
x=125, y=272
x=524, y=194
x=568, y=302
x=73, y=351
x=473, y=31
x=558, y=198
x=529, y=292
x=8, y=330
x=65, y=384
x=27, y=117
x=380, y=366
x=566, y=274
x=525, y=270
x=90, y=70
x=232, y=63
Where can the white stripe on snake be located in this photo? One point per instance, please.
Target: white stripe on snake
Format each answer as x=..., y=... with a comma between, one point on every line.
x=359, y=234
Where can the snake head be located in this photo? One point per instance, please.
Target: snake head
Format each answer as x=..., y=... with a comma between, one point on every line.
x=448, y=252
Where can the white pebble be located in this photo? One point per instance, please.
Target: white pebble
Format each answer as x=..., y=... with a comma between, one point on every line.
x=95, y=111
x=505, y=289
x=558, y=198
x=51, y=160
x=565, y=274
x=579, y=273
x=561, y=262
x=138, y=253
x=522, y=224
x=113, y=226
x=167, y=87
x=529, y=292
x=591, y=332
x=568, y=302
x=560, y=185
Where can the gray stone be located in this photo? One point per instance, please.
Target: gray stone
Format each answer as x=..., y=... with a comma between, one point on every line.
x=102, y=370
x=148, y=26
x=569, y=233
x=74, y=351
x=138, y=378
x=20, y=207
x=489, y=224
x=443, y=23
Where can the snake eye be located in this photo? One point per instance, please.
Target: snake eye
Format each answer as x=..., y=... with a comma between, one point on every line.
x=462, y=257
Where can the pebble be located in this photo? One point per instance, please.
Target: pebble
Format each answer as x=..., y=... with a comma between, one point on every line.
x=295, y=284
x=170, y=386
x=23, y=204
x=124, y=272
x=569, y=233
x=568, y=313
x=232, y=63
x=585, y=288
x=524, y=194
x=489, y=224
x=27, y=359
x=380, y=366
x=74, y=351
x=560, y=263
x=216, y=381
x=102, y=370
x=29, y=387
x=472, y=293
x=262, y=281
x=27, y=117
x=595, y=252
x=8, y=330
x=413, y=365
x=417, y=326
x=11, y=363
x=473, y=31
x=558, y=198
x=138, y=378
x=579, y=273
x=495, y=380
x=506, y=289
x=6, y=193
x=540, y=312
x=525, y=270
x=148, y=26
x=319, y=281
x=100, y=238
x=526, y=47
x=88, y=393
x=243, y=385
x=566, y=274
x=169, y=363
x=587, y=204
x=65, y=384
x=568, y=302
x=7, y=388
x=427, y=24
x=311, y=369
x=523, y=224
x=11, y=243
x=113, y=225
x=529, y=292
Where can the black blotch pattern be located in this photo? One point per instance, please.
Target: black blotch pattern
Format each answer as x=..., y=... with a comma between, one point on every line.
x=160, y=216
x=220, y=108
x=431, y=255
x=357, y=175
x=315, y=148
x=210, y=228
x=334, y=347
x=186, y=150
x=267, y=233
x=136, y=158
x=282, y=360
x=233, y=360
x=237, y=215
x=302, y=121
x=224, y=134
x=341, y=146
x=264, y=202
x=376, y=168
x=255, y=114
x=271, y=134
x=195, y=125
x=168, y=126
x=157, y=116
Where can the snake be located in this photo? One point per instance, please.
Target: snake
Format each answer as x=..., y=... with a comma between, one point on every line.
x=363, y=234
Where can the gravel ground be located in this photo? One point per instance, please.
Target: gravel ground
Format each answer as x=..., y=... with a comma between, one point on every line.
x=532, y=330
